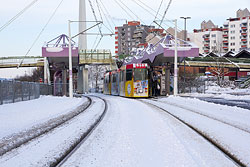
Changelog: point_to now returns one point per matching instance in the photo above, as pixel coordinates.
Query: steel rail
(9, 145)
(68, 153)
(213, 142)
(210, 117)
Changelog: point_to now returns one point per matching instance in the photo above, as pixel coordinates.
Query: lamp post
(175, 62)
(185, 39)
(70, 65)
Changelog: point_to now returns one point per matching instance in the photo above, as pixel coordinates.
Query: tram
(129, 81)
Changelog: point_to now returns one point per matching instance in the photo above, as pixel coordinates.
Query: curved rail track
(210, 117)
(15, 141)
(68, 153)
(205, 136)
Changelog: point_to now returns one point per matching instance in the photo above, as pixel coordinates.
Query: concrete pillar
(82, 41)
(64, 82)
(167, 81)
(85, 79)
(80, 80)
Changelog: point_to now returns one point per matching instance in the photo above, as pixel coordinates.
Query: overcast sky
(18, 37)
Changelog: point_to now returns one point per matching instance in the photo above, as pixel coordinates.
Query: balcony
(225, 35)
(225, 29)
(206, 51)
(225, 41)
(243, 33)
(206, 35)
(206, 39)
(225, 47)
(244, 27)
(243, 40)
(206, 45)
(243, 46)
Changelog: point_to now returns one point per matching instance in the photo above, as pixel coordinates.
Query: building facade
(236, 32)
(129, 36)
(234, 35)
(208, 38)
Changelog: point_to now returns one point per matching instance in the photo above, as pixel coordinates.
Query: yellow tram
(129, 81)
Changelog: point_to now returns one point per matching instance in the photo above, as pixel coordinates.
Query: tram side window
(122, 76)
(141, 74)
(113, 78)
(129, 75)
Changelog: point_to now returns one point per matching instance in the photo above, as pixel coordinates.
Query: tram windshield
(141, 74)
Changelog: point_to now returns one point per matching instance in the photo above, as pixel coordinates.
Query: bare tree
(96, 74)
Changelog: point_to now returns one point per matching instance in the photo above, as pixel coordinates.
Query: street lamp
(185, 39)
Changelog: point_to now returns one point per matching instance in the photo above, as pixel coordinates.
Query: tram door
(129, 83)
(140, 82)
(122, 83)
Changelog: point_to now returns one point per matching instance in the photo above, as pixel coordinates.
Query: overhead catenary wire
(93, 11)
(165, 12)
(17, 15)
(107, 13)
(102, 11)
(124, 9)
(38, 36)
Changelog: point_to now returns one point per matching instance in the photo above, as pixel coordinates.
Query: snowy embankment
(48, 148)
(18, 117)
(133, 134)
(228, 126)
(23, 121)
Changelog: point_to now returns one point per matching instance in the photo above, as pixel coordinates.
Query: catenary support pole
(70, 65)
(175, 62)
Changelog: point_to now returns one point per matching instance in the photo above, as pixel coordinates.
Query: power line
(132, 12)
(42, 30)
(157, 10)
(107, 13)
(101, 10)
(93, 11)
(165, 12)
(124, 9)
(16, 16)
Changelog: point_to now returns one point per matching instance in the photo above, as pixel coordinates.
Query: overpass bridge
(21, 61)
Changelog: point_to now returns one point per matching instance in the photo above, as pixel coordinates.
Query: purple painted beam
(58, 52)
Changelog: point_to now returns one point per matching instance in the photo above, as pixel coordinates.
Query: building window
(128, 28)
(233, 37)
(214, 41)
(232, 26)
(213, 35)
(232, 44)
(232, 49)
(232, 32)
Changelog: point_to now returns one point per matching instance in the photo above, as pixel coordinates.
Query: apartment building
(129, 36)
(236, 32)
(208, 38)
(234, 35)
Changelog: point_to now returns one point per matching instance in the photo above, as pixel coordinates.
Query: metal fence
(14, 91)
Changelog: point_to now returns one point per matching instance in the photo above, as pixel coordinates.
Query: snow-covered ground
(133, 133)
(46, 149)
(20, 116)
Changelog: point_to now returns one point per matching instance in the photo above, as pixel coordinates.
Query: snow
(134, 134)
(20, 116)
(45, 150)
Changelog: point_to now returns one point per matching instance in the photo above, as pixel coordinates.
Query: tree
(35, 76)
(96, 73)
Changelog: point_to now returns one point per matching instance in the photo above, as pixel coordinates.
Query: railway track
(17, 140)
(68, 153)
(213, 142)
(210, 117)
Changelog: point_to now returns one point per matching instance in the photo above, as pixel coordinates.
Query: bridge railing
(14, 91)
